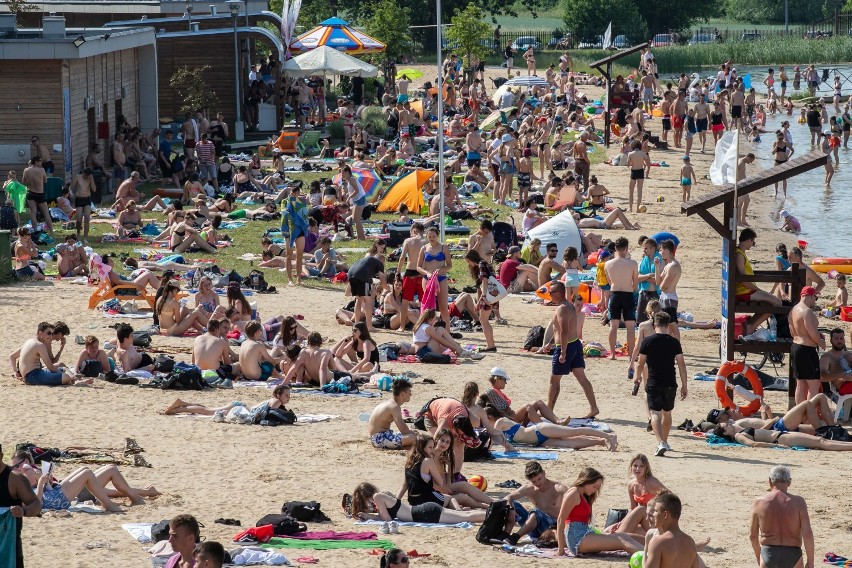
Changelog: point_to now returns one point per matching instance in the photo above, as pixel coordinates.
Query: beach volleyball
(479, 482)
(637, 559)
(384, 383)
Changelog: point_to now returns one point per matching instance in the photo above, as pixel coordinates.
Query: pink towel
(430, 294)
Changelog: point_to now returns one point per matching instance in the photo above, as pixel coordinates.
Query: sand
(223, 470)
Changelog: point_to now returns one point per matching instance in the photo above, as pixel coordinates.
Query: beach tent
(325, 60)
(561, 230)
(408, 190)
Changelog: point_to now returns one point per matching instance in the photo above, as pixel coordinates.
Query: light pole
(440, 137)
(189, 14)
(239, 128)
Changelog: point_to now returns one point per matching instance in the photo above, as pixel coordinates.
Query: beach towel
(334, 535)
(719, 442)
(18, 194)
(139, 531)
(276, 542)
(318, 392)
(249, 556)
(524, 455)
(589, 423)
(531, 550)
(8, 537)
(464, 525)
(430, 294)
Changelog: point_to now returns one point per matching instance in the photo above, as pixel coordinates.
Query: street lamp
(189, 13)
(239, 128)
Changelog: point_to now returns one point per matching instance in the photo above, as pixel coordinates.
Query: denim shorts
(360, 202)
(574, 535)
(544, 521)
(44, 378)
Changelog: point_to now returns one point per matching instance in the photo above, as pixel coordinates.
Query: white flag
(607, 39)
(723, 170)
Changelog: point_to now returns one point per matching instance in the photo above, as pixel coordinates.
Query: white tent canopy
(327, 60)
(561, 230)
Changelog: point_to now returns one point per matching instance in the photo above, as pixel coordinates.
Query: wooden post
(731, 244)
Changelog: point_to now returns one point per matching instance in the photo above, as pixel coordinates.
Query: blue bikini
(510, 434)
(429, 257)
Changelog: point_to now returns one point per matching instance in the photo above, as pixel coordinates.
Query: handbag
(494, 290)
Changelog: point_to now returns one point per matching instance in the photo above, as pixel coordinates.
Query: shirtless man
(304, 109)
(702, 117)
(737, 106)
(119, 158)
(545, 494)
(33, 364)
(780, 524)
(811, 277)
(475, 146)
(567, 351)
(582, 165)
(412, 280)
(189, 129)
(405, 118)
(667, 281)
(743, 200)
(210, 351)
(804, 358)
(72, 259)
(256, 364)
(482, 241)
(679, 108)
(835, 365)
(647, 83)
(127, 189)
(43, 153)
(670, 547)
(666, 109)
(312, 363)
(549, 265)
(640, 167)
(83, 187)
(34, 178)
(623, 276)
(390, 412)
(129, 358)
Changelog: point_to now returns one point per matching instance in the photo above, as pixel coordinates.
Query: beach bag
(184, 377)
(505, 234)
(430, 294)
(255, 281)
(494, 291)
(834, 432)
(160, 531)
(141, 338)
(304, 511)
(492, 528)
(436, 358)
(535, 338)
(614, 516)
(275, 417)
(483, 450)
(163, 364)
(282, 525)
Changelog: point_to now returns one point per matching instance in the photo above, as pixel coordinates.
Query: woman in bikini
(192, 188)
(357, 354)
(224, 205)
(297, 227)
(781, 152)
(435, 258)
(461, 492)
(206, 298)
(238, 301)
(26, 250)
(575, 515)
(571, 265)
(481, 271)
(184, 236)
(642, 489)
(760, 438)
(549, 435)
(82, 484)
(176, 320)
(144, 279)
(392, 304)
(367, 498)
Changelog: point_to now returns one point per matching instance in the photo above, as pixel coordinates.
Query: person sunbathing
(367, 498)
(210, 352)
(206, 297)
(424, 482)
(313, 363)
(71, 259)
(34, 364)
(82, 484)
(642, 489)
(142, 280)
(357, 354)
(126, 353)
(184, 236)
(256, 364)
(546, 434)
(92, 360)
(175, 319)
(429, 337)
(129, 222)
(806, 416)
(758, 438)
(616, 216)
(156, 201)
(460, 491)
(280, 398)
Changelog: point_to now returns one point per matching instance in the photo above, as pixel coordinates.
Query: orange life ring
(729, 368)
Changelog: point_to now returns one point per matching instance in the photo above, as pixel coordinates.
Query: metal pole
(786, 17)
(440, 137)
(238, 127)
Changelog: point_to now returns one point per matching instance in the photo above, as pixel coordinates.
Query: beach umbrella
(412, 74)
(369, 180)
(337, 34)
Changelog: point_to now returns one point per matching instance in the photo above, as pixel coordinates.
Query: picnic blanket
(464, 525)
(277, 542)
(139, 531)
(524, 455)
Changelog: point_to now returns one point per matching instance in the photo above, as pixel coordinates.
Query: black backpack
(305, 511)
(160, 531)
(184, 378)
(282, 525)
(275, 417)
(141, 338)
(834, 432)
(164, 363)
(505, 234)
(255, 281)
(493, 527)
(535, 338)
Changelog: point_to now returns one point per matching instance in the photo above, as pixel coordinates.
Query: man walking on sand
(779, 525)
(670, 547)
(567, 350)
(623, 275)
(640, 165)
(667, 281)
(660, 352)
(804, 357)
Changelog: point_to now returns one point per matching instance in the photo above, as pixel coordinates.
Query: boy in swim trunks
(34, 365)
(256, 363)
(390, 412)
(687, 176)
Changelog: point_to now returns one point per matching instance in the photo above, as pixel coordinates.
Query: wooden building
(68, 85)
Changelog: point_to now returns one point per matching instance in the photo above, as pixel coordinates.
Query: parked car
(594, 43)
(750, 36)
(566, 42)
(663, 40)
(620, 42)
(522, 43)
(698, 39)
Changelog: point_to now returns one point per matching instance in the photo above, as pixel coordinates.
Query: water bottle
(773, 329)
(630, 373)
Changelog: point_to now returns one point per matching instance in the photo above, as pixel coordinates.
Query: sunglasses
(51, 332)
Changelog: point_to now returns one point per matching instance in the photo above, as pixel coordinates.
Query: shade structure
(325, 60)
(408, 190)
(369, 180)
(337, 34)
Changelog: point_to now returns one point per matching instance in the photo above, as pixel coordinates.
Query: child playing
(841, 299)
(790, 223)
(687, 177)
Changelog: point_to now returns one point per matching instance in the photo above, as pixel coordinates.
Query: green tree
(588, 19)
(19, 6)
(678, 15)
(192, 89)
(391, 24)
(469, 32)
(772, 11)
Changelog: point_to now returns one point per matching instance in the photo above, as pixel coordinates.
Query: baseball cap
(507, 138)
(498, 371)
(809, 291)
(784, 213)
(514, 250)
(714, 415)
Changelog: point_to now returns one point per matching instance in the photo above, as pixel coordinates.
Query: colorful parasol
(369, 180)
(337, 34)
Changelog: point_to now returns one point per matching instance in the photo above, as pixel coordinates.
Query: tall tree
(588, 20)
(391, 24)
(469, 32)
(676, 15)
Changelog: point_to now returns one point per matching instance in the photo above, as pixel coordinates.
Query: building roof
(29, 43)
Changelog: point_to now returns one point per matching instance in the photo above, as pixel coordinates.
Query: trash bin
(5, 257)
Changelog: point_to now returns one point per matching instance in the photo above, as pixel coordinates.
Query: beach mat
(524, 455)
(715, 441)
(464, 525)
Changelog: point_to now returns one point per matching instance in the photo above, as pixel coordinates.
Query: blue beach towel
(8, 537)
(544, 456)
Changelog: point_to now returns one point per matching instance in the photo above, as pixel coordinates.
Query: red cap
(809, 291)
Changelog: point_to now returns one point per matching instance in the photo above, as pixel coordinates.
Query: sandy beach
(225, 470)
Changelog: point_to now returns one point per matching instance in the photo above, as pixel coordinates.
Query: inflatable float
(842, 265)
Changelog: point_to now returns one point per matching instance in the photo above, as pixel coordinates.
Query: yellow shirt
(749, 271)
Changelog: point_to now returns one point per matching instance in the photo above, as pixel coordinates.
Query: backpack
(255, 281)
(492, 528)
(282, 525)
(160, 531)
(505, 234)
(184, 377)
(275, 417)
(834, 432)
(141, 338)
(305, 511)
(482, 451)
(164, 363)
(535, 338)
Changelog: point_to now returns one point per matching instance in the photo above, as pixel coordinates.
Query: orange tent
(408, 190)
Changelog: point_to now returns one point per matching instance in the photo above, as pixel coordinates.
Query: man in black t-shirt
(361, 276)
(814, 120)
(660, 352)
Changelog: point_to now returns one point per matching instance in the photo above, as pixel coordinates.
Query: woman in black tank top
(6, 500)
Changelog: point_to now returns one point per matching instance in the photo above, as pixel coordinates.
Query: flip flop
(307, 560)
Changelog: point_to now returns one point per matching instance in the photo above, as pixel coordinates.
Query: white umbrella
(326, 60)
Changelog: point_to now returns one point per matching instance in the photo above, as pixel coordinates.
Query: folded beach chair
(309, 143)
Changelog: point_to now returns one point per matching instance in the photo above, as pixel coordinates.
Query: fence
(425, 41)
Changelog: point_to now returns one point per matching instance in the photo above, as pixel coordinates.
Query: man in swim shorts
(412, 280)
(256, 364)
(390, 412)
(35, 178)
(623, 275)
(545, 494)
(567, 350)
(780, 524)
(804, 358)
(34, 364)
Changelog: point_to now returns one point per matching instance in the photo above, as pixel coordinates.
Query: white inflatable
(723, 170)
(561, 230)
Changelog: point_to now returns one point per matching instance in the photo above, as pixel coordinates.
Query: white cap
(499, 372)
(784, 213)
(507, 138)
